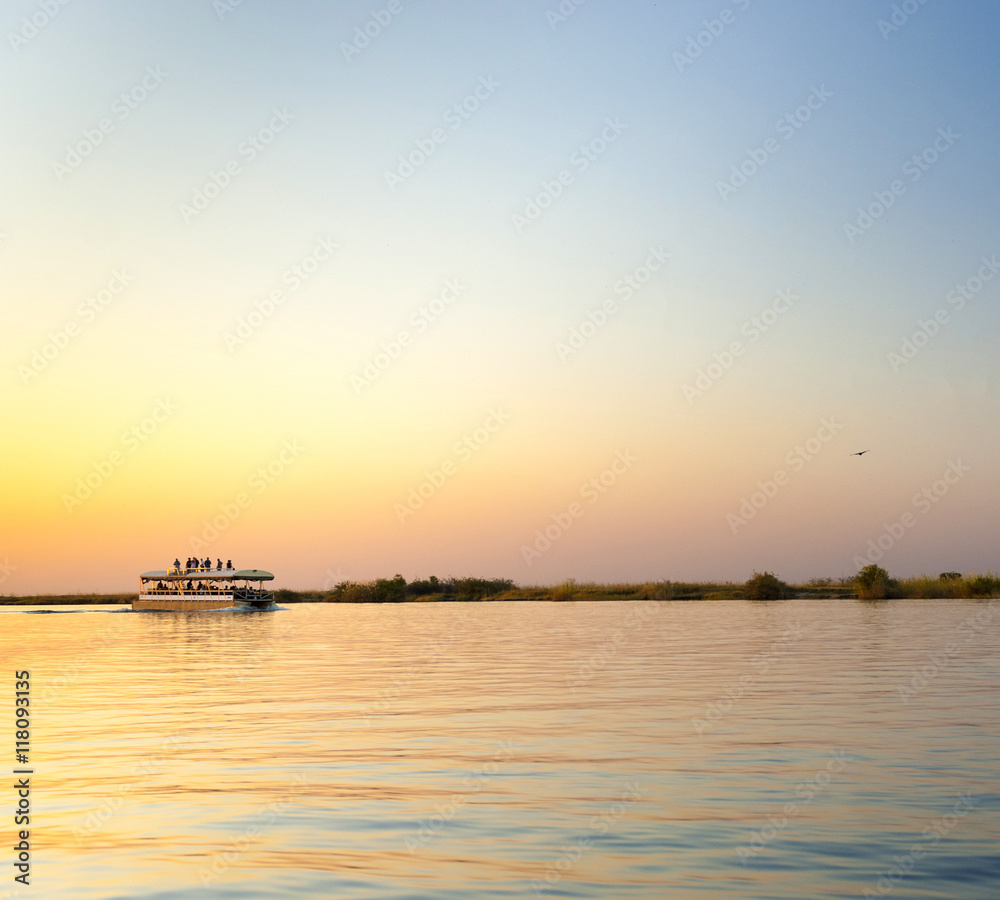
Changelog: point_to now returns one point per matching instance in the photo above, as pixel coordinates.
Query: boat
(182, 588)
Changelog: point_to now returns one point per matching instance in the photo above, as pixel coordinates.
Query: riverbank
(475, 590)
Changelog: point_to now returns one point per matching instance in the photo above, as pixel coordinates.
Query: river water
(724, 749)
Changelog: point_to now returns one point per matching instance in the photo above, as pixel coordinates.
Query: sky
(532, 290)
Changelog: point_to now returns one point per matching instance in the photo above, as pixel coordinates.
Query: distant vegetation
(67, 599)
(396, 590)
(948, 585)
(871, 583)
(874, 583)
(433, 589)
(765, 586)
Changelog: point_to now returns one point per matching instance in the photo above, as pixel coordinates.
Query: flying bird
(860, 453)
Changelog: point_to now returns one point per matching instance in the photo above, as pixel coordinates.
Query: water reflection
(515, 749)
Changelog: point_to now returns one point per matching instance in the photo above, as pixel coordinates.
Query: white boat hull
(183, 602)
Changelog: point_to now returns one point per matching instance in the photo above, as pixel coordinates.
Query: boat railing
(204, 589)
(178, 588)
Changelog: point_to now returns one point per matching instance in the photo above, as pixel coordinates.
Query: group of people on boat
(198, 582)
(194, 564)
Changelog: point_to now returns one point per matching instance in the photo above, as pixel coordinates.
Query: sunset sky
(643, 276)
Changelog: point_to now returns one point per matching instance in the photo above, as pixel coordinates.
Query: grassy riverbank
(67, 600)
(398, 590)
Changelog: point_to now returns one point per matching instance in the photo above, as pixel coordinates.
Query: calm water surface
(787, 750)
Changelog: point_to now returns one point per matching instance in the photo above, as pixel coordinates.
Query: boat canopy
(208, 574)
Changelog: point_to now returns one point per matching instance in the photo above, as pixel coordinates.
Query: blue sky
(216, 78)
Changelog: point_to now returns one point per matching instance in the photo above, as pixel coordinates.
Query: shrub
(873, 583)
(478, 588)
(390, 591)
(430, 586)
(984, 585)
(656, 590)
(382, 590)
(565, 591)
(950, 576)
(765, 586)
(396, 590)
(923, 587)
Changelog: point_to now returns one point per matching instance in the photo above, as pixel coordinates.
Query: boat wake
(65, 612)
